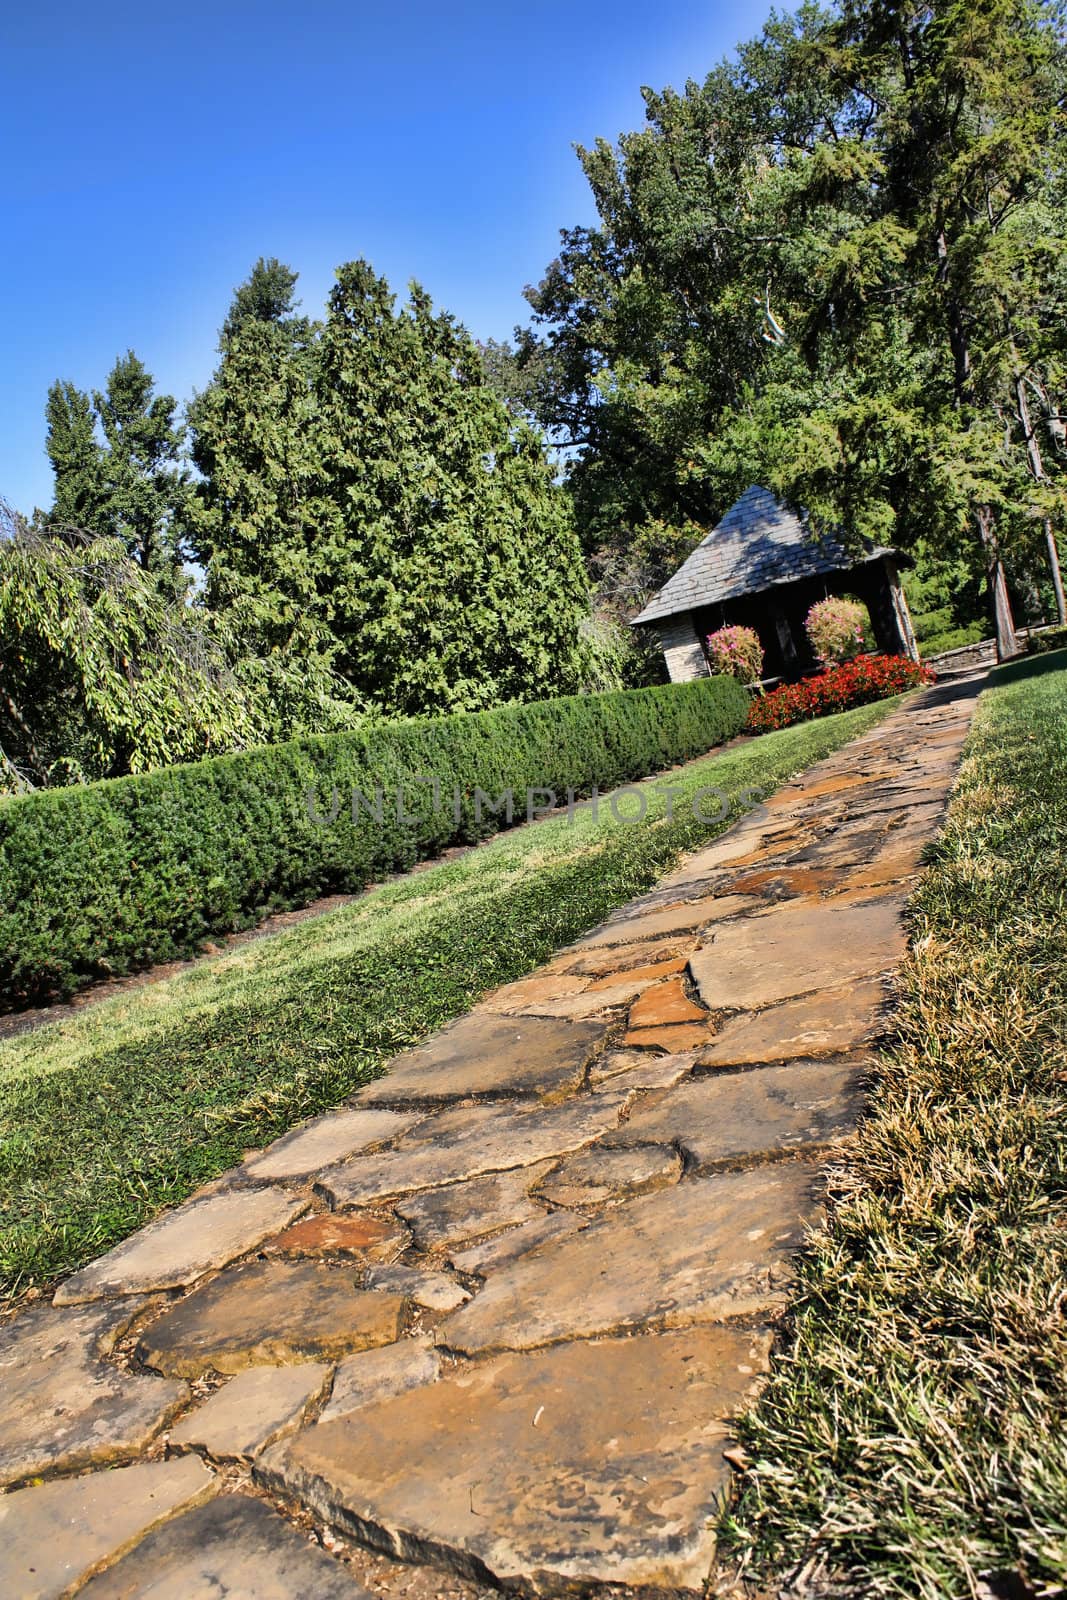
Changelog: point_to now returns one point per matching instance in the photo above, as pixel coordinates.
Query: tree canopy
(835, 267)
(368, 501)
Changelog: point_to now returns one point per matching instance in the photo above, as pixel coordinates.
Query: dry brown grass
(913, 1438)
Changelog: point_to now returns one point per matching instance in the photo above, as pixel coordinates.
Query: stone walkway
(493, 1316)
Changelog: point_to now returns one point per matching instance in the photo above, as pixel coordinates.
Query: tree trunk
(1057, 576)
(1037, 472)
(1007, 640)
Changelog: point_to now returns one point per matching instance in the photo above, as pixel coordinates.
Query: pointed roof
(758, 544)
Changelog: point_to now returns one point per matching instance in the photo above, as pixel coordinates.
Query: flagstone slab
(464, 1212)
(52, 1535)
(592, 1003)
(596, 1176)
(665, 1003)
(252, 1411)
(504, 1248)
(589, 1463)
(269, 1312)
(61, 1406)
(726, 1115)
(361, 1235)
(609, 961)
(486, 1055)
(825, 1023)
(798, 947)
(326, 1140)
(183, 1245)
(374, 1375)
(707, 1249)
(673, 1037)
(473, 1141)
(637, 1069)
(434, 1291)
(686, 916)
(233, 1546)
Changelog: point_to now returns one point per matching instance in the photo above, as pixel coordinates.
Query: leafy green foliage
(115, 460)
(371, 506)
(98, 879)
(835, 267)
(100, 673)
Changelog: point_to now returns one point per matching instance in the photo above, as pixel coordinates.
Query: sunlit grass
(134, 1102)
(913, 1440)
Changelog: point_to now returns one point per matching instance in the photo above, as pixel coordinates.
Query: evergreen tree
(76, 457)
(369, 503)
(116, 464)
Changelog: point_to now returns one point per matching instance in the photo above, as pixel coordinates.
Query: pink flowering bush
(836, 629)
(737, 653)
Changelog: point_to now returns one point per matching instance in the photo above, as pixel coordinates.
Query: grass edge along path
(107, 1118)
(913, 1437)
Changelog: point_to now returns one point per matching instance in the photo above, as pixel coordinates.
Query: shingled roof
(758, 544)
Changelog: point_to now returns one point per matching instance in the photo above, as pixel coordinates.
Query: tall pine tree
(368, 498)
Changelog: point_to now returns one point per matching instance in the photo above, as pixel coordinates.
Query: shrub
(836, 629)
(737, 653)
(110, 876)
(952, 639)
(853, 684)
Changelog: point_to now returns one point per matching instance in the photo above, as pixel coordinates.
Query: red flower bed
(854, 683)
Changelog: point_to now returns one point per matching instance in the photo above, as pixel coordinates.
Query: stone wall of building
(682, 649)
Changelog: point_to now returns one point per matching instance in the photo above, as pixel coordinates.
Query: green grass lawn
(140, 1099)
(914, 1436)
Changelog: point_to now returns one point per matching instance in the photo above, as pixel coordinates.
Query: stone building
(762, 567)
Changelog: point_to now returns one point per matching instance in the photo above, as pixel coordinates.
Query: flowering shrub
(836, 629)
(853, 684)
(737, 653)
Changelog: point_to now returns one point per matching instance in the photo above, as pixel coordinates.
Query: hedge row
(105, 878)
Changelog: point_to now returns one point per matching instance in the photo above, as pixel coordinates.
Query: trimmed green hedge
(105, 878)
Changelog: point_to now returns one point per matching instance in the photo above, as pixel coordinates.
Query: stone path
(494, 1315)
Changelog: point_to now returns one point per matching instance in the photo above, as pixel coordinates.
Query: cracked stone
(327, 1140)
(798, 947)
(463, 1212)
(55, 1533)
(183, 1245)
(674, 919)
(376, 1374)
(721, 1248)
(728, 1115)
(782, 883)
(253, 1410)
(592, 1003)
(636, 1069)
(826, 1023)
(362, 1236)
(610, 962)
(603, 1174)
(672, 1037)
(232, 1546)
(504, 1248)
(61, 1406)
(434, 1291)
(482, 1054)
(665, 1003)
(471, 1141)
(589, 1463)
(653, 973)
(266, 1313)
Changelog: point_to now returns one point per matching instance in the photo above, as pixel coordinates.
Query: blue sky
(151, 153)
